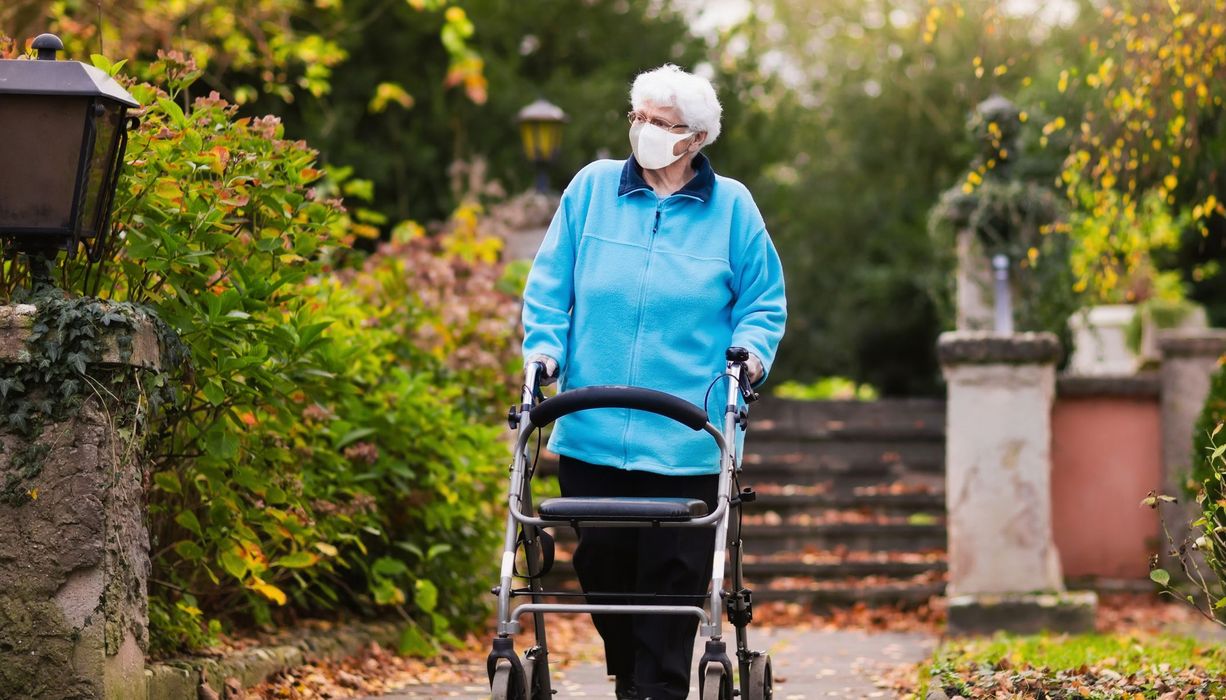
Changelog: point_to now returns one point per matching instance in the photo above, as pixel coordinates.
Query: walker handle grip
(633, 397)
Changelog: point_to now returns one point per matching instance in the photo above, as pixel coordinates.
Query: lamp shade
(540, 129)
(63, 131)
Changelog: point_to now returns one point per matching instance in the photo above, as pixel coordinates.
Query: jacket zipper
(638, 328)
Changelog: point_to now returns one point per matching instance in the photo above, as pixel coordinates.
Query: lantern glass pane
(40, 150)
(528, 132)
(98, 170)
(550, 139)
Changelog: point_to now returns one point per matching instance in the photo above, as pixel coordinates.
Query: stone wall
(74, 549)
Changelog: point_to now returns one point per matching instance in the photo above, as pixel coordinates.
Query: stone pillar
(74, 549)
(1189, 359)
(1004, 570)
(522, 222)
(974, 302)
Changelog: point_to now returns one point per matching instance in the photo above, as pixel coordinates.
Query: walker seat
(621, 508)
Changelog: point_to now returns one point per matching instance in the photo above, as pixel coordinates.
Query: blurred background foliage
(847, 119)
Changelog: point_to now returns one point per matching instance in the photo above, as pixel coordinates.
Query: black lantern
(63, 131)
(540, 129)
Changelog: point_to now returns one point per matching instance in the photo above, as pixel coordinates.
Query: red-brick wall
(1106, 455)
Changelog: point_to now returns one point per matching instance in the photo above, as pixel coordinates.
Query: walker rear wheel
(533, 672)
(715, 684)
(507, 684)
(760, 679)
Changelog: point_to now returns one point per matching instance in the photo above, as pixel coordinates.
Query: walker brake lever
(747, 390)
(740, 356)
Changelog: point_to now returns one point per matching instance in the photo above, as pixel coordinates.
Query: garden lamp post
(63, 132)
(540, 129)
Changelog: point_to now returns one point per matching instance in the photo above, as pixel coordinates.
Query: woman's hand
(550, 375)
(754, 365)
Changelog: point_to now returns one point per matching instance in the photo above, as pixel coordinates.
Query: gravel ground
(807, 663)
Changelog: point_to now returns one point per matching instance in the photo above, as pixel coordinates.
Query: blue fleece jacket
(631, 288)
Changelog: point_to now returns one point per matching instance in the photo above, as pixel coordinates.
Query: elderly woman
(652, 267)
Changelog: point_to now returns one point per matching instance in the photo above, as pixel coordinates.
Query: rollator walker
(513, 677)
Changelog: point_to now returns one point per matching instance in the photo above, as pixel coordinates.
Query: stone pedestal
(1189, 359)
(522, 222)
(973, 295)
(1100, 343)
(1004, 570)
(74, 550)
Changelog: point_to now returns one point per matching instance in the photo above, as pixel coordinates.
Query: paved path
(808, 665)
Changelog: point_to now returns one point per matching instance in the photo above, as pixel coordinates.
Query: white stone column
(1004, 570)
(1189, 359)
(973, 293)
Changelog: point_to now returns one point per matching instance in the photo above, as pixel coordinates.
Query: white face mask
(653, 146)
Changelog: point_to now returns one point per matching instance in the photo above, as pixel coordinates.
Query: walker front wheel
(760, 680)
(715, 684)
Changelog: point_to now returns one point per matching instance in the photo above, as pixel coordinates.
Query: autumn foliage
(330, 446)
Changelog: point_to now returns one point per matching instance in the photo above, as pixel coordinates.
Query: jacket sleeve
(550, 292)
(760, 309)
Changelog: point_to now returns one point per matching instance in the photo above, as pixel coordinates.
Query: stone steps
(816, 571)
(779, 419)
(850, 500)
(867, 492)
(849, 593)
(850, 507)
(853, 537)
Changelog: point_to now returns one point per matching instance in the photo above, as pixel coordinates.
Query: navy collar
(699, 187)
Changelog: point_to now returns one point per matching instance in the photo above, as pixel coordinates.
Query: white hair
(692, 95)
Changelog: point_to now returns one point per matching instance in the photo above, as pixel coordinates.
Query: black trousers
(656, 650)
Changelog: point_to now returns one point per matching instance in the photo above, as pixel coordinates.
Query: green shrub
(825, 389)
(326, 449)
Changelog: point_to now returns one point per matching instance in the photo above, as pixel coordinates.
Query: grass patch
(1123, 653)
(1078, 666)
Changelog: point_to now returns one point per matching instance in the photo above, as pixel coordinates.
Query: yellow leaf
(388, 93)
(365, 230)
(268, 590)
(167, 188)
(1170, 181)
(326, 549)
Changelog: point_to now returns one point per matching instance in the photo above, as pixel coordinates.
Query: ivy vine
(62, 366)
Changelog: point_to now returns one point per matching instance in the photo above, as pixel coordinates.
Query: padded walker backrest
(638, 398)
